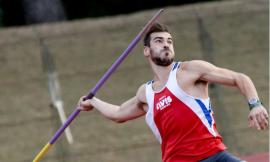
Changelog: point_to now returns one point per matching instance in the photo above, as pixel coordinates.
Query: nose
(166, 46)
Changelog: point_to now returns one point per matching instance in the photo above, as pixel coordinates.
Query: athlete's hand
(258, 118)
(85, 105)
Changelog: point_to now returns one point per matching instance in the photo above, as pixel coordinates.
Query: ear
(146, 51)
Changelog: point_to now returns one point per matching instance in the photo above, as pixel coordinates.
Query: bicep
(131, 109)
(220, 76)
(210, 73)
(134, 107)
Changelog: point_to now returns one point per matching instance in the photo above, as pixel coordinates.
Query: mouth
(167, 52)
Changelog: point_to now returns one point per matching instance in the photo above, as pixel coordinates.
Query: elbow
(242, 80)
(117, 120)
(120, 121)
(243, 77)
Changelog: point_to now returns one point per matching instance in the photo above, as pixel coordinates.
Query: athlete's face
(161, 48)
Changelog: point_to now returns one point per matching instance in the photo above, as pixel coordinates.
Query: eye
(158, 41)
(170, 42)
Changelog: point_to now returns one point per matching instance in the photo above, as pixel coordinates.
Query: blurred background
(54, 51)
(22, 12)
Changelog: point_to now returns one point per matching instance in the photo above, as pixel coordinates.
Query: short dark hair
(157, 27)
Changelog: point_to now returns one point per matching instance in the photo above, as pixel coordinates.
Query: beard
(162, 61)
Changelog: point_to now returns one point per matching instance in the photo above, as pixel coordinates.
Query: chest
(171, 114)
(191, 84)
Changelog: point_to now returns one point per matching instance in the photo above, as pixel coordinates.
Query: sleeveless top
(184, 125)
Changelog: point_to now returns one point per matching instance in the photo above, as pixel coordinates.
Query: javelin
(93, 91)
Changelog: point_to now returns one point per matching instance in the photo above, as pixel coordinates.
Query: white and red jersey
(184, 125)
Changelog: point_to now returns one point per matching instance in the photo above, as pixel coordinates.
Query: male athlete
(177, 105)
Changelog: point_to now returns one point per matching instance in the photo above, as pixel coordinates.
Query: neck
(161, 73)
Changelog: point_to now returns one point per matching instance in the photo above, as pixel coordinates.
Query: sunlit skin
(161, 49)
(192, 76)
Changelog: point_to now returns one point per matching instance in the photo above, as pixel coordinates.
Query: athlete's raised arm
(130, 109)
(258, 116)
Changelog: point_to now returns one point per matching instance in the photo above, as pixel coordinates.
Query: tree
(41, 11)
(1, 17)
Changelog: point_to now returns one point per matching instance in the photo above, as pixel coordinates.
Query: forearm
(106, 109)
(246, 86)
(257, 117)
(128, 110)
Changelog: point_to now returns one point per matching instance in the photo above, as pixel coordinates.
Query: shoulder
(141, 96)
(192, 63)
(196, 65)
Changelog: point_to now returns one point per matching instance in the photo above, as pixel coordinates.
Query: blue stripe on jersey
(149, 82)
(175, 65)
(205, 111)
